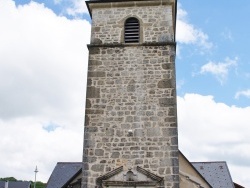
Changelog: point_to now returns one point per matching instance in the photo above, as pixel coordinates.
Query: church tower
(130, 133)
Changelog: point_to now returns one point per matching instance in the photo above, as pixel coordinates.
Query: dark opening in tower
(132, 31)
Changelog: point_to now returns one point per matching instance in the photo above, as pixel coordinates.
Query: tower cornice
(131, 45)
(126, 3)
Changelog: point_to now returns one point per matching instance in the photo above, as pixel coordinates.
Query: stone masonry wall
(131, 87)
(156, 23)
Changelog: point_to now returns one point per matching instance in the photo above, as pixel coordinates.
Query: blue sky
(42, 86)
(225, 24)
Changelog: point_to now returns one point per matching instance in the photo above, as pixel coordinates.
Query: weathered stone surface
(91, 129)
(165, 83)
(155, 29)
(172, 111)
(98, 168)
(89, 82)
(96, 41)
(165, 162)
(131, 88)
(167, 66)
(174, 141)
(89, 159)
(96, 74)
(99, 152)
(86, 120)
(170, 119)
(169, 131)
(89, 111)
(115, 155)
(129, 119)
(93, 92)
(88, 103)
(94, 63)
(152, 132)
(89, 143)
(110, 132)
(119, 133)
(96, 29)
(94, 51)
(138, 133)
(165, 102)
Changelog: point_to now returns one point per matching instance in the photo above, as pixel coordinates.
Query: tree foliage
(38, 184)
(8, 179)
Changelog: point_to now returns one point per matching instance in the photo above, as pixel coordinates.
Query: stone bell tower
(130, 134)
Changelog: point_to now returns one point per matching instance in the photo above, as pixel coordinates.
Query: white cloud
(78, 7)
(43, 60)
(245, 93)
(73, 8)
(219, 69)
(187, 33)
(212, 131)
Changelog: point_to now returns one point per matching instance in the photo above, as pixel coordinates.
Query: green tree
(38, 184)
(8, 179)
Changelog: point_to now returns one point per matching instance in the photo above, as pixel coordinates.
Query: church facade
(130, 134)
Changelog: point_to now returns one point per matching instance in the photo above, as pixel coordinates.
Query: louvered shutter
(132, 31)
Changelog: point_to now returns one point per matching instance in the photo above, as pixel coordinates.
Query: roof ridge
(67, 162)
(211, 162)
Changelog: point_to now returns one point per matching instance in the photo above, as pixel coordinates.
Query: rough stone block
(99, 152)
(98, 168)
(129, 119)
(167, 66)
(138, 133)
(115, 155)
(165, 162)
(86, 120)
(96, 74)
(165, 83)
(91, 129)
(88, 103)
(89, 143)
(96, 41)
(169, 132)
(152, 132)
(93, 92)
(171, 111)
(94, 50)
(110, 132)
(165, 102)
(94, 63)
(89, 111)
(174, 141)
(89, 82)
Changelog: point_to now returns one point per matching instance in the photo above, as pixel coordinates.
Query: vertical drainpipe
(6, 185)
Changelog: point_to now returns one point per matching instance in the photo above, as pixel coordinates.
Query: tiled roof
(16, 184)
(216, 173)
(62, 173)
(236, 185)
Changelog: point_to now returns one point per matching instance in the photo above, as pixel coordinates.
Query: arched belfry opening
(132, 30)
